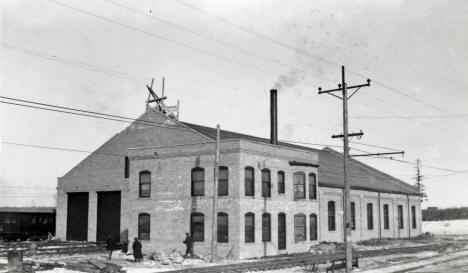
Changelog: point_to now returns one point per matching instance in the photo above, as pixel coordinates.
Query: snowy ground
(449, 227)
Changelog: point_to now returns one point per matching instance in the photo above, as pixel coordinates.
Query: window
(223, 181)
(249, 227)
(145, 184)
(281, 186)
(386, 222)
(266, 227)
(400, 217)
(127, 168)
(370, 217)
(312, 186)
(299, 227)
(353, 216)
(223, 227)
(299, 185)
(266, 183)
(197, 226)
(331, 216)
(313, 226)
(143, 226)
(198, 182)
(249, 184)
(413, 216)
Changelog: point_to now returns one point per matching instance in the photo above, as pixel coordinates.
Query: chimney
(273, 117)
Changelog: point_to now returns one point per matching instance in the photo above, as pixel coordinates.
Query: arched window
(249, 227)
(413, 216)
(299, 227)
(299, 185)
(127, 168)
(312, 186)
(331, 216)
(266, 227)
(266, 183)
(197, 226)
(223, 227)
(313, 226)
(353, 216)
(144, 226)
(281, 183)
(370, 217)
(386, 222)
(145, 184)
(400, 217)
(223, 181)
(249, 182)
(198, 181)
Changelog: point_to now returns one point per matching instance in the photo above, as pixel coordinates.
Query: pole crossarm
(340, 88)
(378, 154)
(349, 135)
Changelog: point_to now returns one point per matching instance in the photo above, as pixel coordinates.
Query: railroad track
(304, 259)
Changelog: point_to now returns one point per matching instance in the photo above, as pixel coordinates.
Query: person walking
(110, 245)
(189, 244)
(137, 254)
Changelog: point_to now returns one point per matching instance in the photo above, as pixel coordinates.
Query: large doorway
(77, 216)
(108, 216)
(281, 231)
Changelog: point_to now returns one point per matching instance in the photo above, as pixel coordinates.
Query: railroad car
(26, 223)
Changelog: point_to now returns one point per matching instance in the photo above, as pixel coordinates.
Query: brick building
(155, 181)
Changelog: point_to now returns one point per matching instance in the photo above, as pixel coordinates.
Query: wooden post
(214, 226)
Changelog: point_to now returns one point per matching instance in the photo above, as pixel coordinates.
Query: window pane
(249, 228)
(331, 216)
(312, 186)
(266, 183)
(299, 228)
(145, 178)
(413, 216)
(313, 227)
(198, 182)
(144, 227)
(223, 182)
(299, 185)
(197, 227)
(249, 182)
(370, 217)
(353, 216)
(223, 228)
(386, 217)
(266, 228)
(281, 187)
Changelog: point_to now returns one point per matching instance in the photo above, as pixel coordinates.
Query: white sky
(417, 48)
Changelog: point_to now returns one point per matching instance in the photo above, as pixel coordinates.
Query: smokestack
(273, 117)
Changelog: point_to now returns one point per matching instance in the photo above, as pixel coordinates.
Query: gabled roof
(28, 209)
(225, 135)
(330, 168)
(361, 175)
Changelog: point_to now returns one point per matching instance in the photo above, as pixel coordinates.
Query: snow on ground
(449, 227)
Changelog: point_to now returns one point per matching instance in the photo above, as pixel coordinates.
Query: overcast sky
(220, 58)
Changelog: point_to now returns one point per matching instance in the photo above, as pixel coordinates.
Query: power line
(181, 44)
(153, 17)
(75, 63)
(58, 148)
(171, 127)
(374, 146)
(28, 187)
(303, 52)
(412, 117)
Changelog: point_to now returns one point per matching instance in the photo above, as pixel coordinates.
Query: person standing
(189, 244)
(137, 254)
(110, 245)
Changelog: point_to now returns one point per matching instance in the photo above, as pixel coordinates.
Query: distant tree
(419, 178)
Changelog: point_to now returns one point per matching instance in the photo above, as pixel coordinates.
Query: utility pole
(214, 226)
(347, 210)
(343, 88)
